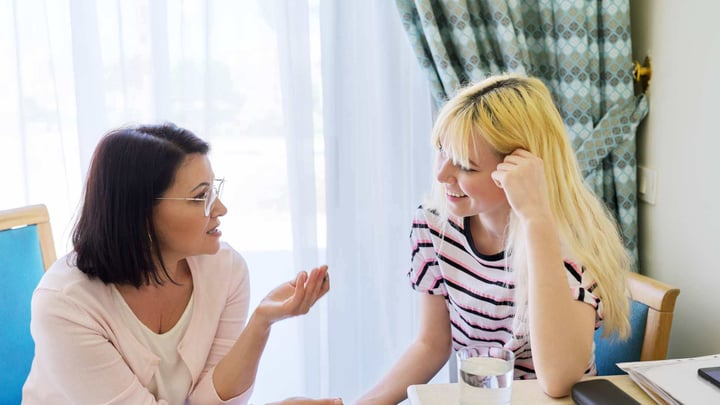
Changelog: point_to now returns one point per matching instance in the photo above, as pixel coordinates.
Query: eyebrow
(203, 184)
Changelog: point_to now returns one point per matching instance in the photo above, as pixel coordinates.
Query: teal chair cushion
(21, 268)
(611, 350)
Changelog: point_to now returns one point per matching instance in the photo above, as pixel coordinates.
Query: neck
(494, 224)
(177, 270)
(488, 232)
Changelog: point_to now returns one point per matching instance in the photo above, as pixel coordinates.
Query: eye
(203, 195)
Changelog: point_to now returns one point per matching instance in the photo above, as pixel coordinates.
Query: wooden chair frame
(660, 299)
(32, 215)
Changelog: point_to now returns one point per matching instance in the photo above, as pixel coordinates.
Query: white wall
(680, 234)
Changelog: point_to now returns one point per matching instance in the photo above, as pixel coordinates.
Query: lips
(214, 231)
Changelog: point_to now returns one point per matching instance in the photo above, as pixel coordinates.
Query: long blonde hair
(511, 112)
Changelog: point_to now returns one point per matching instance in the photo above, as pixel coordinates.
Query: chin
(216, 245)
(211, 250)
(207, 249)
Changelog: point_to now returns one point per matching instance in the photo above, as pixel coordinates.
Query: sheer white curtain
(38, 142)
(247, 77)
(376, 124)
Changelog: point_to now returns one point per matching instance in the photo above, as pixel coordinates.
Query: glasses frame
(210, 196)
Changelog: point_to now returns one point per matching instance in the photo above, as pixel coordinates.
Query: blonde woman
(513, 249)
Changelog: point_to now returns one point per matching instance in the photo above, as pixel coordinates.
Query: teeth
(454, 195)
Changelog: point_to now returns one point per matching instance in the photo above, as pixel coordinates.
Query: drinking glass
(485, 374)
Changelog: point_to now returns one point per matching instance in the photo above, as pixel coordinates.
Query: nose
(444, 170)
(218, 209)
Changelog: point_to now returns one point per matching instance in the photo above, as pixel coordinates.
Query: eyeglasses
(210, 196)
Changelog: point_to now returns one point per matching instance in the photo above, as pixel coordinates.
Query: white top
(172, 380)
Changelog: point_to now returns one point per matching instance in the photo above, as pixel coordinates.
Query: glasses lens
(213, 195)
(220, 185)
(210, 200)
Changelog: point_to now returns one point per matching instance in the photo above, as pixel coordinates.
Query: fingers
(301, 278)
(518, 163)
(318, 277)
(325, 287)
(519, 152)
(308, 288)
(300, 292)
(324, 284)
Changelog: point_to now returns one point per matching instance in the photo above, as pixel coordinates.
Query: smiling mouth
(214, 230)
(455, 195)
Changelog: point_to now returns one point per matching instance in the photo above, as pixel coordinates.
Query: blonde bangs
(454, 132)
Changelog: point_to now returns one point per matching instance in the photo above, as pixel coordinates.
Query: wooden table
(523, 392)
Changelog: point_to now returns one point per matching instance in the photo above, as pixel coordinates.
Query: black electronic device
(711, 374)
(600, 392)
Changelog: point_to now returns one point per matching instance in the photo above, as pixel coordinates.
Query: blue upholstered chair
(26, 251)
(651, 315)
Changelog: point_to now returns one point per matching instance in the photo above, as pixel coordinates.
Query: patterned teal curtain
(582, 51)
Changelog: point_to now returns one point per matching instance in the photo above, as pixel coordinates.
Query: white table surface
(523, 392)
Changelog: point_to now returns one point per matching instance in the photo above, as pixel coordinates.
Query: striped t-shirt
(478, 289)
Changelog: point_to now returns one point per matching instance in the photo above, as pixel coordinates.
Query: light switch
(647, 184)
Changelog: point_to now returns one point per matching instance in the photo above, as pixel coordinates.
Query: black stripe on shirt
(574, 272)
(478, 313)
(477, 296)
(423, 271)
(476, 276)
(481, 328)
(498, 341)
(417, 249)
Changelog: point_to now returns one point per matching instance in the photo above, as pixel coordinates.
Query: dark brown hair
(131, 166)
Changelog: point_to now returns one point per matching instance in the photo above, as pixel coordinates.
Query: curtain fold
(292, 23)
(580, 49)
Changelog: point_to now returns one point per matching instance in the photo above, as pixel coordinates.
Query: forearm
(560, 326)
(420, 362)
(236, 372)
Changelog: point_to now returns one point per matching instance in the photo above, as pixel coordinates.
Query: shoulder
(65, 278)
(64, 289)
(435, 222)
(425, 215)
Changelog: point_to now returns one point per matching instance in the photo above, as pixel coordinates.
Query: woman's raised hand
(295, 297)
(522, 175)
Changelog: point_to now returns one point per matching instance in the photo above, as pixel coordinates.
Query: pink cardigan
(85, 354)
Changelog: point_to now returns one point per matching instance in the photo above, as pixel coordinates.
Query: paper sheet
(675, 381)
